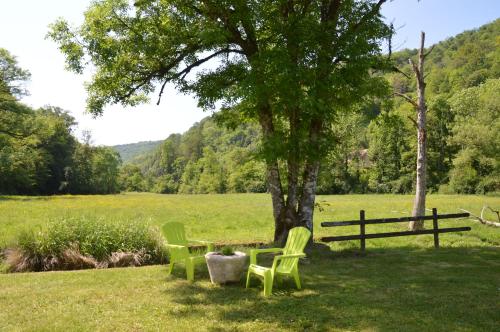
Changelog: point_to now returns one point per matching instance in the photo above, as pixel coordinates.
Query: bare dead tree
(421, 109)
(483, 220)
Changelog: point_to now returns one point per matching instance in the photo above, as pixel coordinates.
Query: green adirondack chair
(178, 247)
(285, 264)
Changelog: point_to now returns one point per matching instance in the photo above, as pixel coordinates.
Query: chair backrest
(295, 244)
(174, 232)
(297, 241)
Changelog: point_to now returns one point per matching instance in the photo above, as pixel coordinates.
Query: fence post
(362, 229)
(435, 226)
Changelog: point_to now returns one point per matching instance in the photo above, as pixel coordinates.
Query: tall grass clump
(79, 243)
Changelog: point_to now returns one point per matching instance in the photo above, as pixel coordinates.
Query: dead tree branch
(483, 220)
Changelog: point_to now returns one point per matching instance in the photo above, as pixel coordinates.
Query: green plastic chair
(178, 247)
(285, 264)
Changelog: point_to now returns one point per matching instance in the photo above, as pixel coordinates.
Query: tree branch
(396, 69)
(161, 92)
(183, 73)
(199, 62)
(374, 10)
(413, 120)
(407, 98)
(429, 51)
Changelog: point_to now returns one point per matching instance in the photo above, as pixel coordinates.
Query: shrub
(227, 251)
(83, 243)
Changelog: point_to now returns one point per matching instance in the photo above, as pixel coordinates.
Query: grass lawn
(402, 284)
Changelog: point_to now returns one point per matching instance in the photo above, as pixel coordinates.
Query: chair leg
(189, 270)
(296, 278)
(248, 279)
(268, 283)
(170, 268)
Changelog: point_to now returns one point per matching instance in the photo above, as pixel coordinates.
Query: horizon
(178, 112)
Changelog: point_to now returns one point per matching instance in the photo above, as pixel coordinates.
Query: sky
(24, 24)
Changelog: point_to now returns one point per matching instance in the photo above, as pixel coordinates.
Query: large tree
(292, 66)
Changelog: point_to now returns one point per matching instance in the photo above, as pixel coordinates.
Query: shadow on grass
(410, 289)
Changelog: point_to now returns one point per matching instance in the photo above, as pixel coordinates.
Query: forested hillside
(130, 151)
(375, 146)
(206, 159)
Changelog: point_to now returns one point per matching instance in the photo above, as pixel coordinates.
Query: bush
(227, 251)
(82, 243)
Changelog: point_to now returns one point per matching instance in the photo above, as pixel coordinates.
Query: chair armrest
(208, 244)
(290, 256)
(280, 257)
(255, 252)
(177, 251)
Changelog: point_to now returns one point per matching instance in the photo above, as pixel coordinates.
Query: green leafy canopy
(303, 59)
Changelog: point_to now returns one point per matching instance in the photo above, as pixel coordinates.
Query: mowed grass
(401, 284)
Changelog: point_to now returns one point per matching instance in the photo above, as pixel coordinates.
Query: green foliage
(389, 144)
(131, 178)
(248, 177)
(227, 251)
(94, 238)
(93, 170)
(205, 159)
(105, 163)
(212, 180)
(460, 62)
(12, 77)
(462, 115)
(476, 133)
(38, 152)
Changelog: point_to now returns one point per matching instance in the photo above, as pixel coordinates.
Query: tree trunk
(420, 184)
(306, 206)
(419, 203)
(273, 175)
(274, 187)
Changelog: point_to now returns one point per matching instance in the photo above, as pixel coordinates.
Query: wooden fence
(363, 236)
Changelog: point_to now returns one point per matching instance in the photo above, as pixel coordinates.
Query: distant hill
(133, 150)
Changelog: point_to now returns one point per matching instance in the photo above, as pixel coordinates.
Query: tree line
(39, 153)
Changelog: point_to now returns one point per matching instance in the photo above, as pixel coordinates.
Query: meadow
(400, 284)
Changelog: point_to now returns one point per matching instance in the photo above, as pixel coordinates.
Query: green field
(402, 284)
(236, 218)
